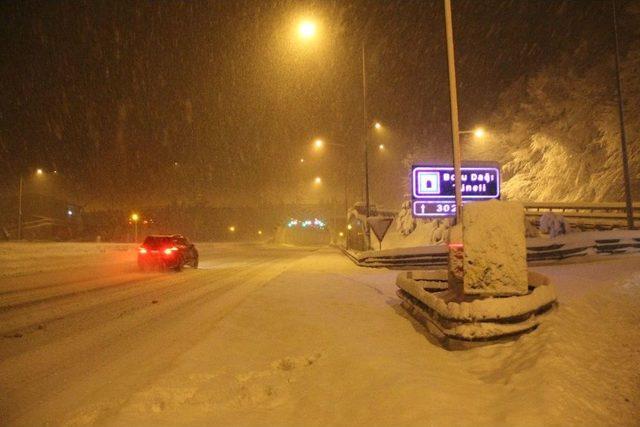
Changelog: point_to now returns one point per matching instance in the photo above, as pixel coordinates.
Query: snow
(425, 232)
(495, 253)
(446, 303)
(405, 222)
(23, 257)
(554, 224)
(266, 336)
(586, 242)
(407, 234)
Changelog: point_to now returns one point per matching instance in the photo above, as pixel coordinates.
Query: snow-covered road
(280, 336)
(99, 329)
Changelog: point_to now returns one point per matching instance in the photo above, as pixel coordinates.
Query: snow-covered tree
(557, 132)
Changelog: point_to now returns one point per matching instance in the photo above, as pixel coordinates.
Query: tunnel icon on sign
(429, 182)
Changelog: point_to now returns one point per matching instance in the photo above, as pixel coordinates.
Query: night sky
(113, 94)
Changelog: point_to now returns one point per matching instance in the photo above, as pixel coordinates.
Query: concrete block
(495, 253)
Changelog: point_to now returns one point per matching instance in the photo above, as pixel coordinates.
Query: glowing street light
(318, 144)
(135, 217)
(381, 147)
(39, 172)
(260, 232)
(232, 228)
(377, 125)
(478, 133)
(317, 180)
(307, 29)
(301, 160)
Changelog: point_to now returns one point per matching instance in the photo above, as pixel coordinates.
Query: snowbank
(18, 258)
(326, 343)
(574, 246)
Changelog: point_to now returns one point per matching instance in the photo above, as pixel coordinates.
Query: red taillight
(142, 250)
(169, 251)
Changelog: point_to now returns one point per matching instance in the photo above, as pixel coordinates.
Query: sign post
(380, 225)
(453, 98)
(434, 187)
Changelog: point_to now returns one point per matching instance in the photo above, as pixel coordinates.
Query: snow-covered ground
(280, 336)
(18, 258)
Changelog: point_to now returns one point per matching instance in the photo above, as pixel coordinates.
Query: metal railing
(586, 215)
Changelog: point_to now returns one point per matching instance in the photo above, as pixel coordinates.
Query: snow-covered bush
(440, 232)
(530, 230)
(554, 224)
(405, 223)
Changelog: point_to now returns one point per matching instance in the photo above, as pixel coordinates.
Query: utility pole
(623, 136)
(346, 182)
(365, 129)
(453, 96)
(20, 208)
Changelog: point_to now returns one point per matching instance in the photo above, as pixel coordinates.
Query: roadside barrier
(574, 245)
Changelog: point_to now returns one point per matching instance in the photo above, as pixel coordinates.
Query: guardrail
(539, 250)
(586, 215)
(604, 215)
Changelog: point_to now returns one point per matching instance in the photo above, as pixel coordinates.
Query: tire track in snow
(105, 337)
(166, 285)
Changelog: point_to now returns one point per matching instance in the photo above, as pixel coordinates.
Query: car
(167, 252)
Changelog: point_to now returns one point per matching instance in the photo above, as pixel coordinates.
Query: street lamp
(39, 172)
(307, 29)
(478, 133)
(317, 180)
(623, 138)
(453, 98)
(377, 125)
(135, 217)
(320, 143)
(232, 228)
(381, 147)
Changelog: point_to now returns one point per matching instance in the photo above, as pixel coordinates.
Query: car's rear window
(156, 241)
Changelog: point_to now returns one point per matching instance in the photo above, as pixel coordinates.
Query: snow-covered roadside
(574, 247)
(17, 258)
(326, 343)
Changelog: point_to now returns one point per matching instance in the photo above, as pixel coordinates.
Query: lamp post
(623, 136)
(365, 133)
(453, 97)
(135, 217)
(319, 144)
(20, 208)
(39, 172)
(307, 30)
